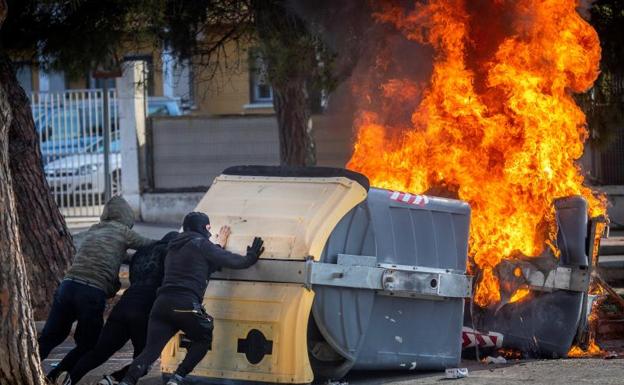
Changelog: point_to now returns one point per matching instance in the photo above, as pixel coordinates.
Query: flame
(510, 354)
(496, 124)
(520, 295)
(593, 350)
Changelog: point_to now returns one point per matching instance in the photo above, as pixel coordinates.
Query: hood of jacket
(182, 239)
(118, 210)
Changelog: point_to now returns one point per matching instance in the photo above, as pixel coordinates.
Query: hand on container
(256, 249)
(224, 234)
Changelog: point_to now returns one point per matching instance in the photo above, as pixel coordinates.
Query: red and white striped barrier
(472, 338)
(418, 200)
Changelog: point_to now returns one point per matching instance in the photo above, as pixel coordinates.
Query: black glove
(256, 249)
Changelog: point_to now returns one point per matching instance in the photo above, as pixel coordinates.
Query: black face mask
(196, 222)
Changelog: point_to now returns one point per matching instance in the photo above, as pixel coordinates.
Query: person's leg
(120, 374)
(89, 303)
(59, 322)
(113, 337)
(198, 328)
(159, 332)
(137, 328)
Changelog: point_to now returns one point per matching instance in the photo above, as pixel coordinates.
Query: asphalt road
(546, 372)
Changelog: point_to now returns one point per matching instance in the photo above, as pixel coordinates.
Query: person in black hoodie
(128, 319)
(191, 259)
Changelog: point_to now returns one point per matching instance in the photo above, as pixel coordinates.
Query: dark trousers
(72, 302)
(170, 314)
(127, 322)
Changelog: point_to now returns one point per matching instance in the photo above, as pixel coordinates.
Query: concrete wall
(168, 208)
(615, 210)
(189, 152)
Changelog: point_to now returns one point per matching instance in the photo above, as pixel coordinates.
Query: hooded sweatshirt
(190, 261)
(147, 267)
(99, 257)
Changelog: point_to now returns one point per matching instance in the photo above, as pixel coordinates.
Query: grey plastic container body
(369, 330)
(546, 325)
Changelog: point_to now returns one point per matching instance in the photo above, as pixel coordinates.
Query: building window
(261, 91)
(98, 83)
(52, 81)
(23, 71)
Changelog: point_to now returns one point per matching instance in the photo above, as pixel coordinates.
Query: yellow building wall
(226, 91)
(73, 84)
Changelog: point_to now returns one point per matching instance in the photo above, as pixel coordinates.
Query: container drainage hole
(255, 346)
(434, 283)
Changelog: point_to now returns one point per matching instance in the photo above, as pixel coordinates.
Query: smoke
(583, 7)
(349, 28)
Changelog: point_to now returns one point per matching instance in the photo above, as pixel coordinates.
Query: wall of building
(188, 152)
(221, 88)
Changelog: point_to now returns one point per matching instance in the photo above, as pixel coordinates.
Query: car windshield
(71, 121)
(115, 146)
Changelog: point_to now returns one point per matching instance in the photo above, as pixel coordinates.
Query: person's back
(186, 270)
(99, 257)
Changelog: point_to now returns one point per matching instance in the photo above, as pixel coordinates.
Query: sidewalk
(150, 230)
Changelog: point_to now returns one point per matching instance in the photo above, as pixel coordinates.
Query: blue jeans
(73, 301)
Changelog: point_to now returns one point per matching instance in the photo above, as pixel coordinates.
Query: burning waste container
(554, 315)
(352, 278)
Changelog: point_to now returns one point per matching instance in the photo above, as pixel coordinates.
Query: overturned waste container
(352, 278)
(554, 316)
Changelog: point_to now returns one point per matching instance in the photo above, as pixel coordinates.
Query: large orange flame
(496, 124)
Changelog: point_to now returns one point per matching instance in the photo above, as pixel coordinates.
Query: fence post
(107, 132)
(131, 104)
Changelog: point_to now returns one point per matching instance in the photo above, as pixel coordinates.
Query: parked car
(163, 106)
(83, 174)
(73, 127)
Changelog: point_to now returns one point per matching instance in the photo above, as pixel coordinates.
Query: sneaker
(107, 380)
(176, 379)
(63, 379)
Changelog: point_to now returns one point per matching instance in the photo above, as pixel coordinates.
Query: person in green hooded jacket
(92, 278)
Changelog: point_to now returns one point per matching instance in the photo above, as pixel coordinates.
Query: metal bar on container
(412, 283)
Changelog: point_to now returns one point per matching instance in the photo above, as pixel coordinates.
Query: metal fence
(71, 129)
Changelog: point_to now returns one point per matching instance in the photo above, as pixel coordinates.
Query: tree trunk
(297, 147)
(289, 53)
(46, 243)
(19, 361)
